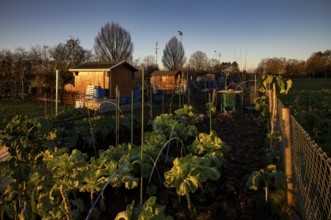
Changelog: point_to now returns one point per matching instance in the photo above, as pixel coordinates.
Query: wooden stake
(56, 91)
(117, 113)
(142, 132)
(287, 156)
(132, 118)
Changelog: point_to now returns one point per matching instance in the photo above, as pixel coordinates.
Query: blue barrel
(136, 95)
(136, 91)
(99, 93)
(158, 96)
(123, 100)
(137, 99)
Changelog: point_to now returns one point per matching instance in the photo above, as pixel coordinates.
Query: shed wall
(164, 82)
(124, 79)
(84, 79)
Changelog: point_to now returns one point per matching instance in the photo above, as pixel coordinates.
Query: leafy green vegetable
(207, 143)
(266, 177)
(149, 210)
(188, 173)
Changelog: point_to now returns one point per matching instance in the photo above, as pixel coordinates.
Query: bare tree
(319, 64)
(113, 43)
(149, 65)
(43, 67)
(198, 60)
(173, 54)
(15, 70)
(7, 81)
(68, 55)
(22, 66)
(149, 60)
(295, 67)
(272, 65)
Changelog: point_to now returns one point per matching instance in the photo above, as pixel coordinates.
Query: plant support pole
(132, 118)
(288, 157)
(56, 91)
(142, 132)
(117, 94)
(210, 116)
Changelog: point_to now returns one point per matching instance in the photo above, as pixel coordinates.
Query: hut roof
(101, 66)
(164, 73)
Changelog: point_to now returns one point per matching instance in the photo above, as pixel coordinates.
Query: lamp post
(181, 43)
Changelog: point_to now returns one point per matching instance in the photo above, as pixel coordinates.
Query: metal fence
(311, 171)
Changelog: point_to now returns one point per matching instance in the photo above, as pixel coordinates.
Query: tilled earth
(246, 138)
(229, 198)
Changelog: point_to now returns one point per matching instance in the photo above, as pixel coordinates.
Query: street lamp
(181, 43)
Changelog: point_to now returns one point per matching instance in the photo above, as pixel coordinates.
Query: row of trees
(317, 65)
(37, 66)
(113, 43)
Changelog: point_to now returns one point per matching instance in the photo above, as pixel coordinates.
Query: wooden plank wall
(84, 79)
(122, 77)
(169, 84)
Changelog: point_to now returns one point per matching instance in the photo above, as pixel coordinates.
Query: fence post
(287, 156)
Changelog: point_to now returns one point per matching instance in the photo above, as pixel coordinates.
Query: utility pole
(156, 48)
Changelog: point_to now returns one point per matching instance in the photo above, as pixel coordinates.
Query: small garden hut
(105, 75)
(206, 81)
(165, 80)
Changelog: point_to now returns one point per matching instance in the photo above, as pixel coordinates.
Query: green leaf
(189, 184)
(281, 84)
(253, 181)
(289, 85)
(205, 143)
(78, 203)
(216, 158)
(268, 80)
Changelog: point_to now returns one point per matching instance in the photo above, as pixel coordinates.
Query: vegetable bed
(59, 167)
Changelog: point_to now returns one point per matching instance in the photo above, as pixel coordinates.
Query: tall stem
(266, 193)
(188, 201)
(270, 93)
(66, 203)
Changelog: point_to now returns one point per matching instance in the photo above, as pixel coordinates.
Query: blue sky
(245, 31)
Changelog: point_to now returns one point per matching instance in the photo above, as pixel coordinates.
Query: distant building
(165, 80)
(206, 81)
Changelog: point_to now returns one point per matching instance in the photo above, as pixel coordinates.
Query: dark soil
(233, 200)
(227, 198)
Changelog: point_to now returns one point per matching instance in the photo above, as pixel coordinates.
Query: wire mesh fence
(312, 172)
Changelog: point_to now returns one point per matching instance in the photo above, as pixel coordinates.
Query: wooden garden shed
(165, 80)
(105, 75)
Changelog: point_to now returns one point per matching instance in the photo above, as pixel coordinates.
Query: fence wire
(312, 173)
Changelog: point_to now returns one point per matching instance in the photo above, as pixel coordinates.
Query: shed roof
(164, 73)
(101, 66)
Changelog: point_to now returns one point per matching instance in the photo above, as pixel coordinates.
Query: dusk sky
(240, 30)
